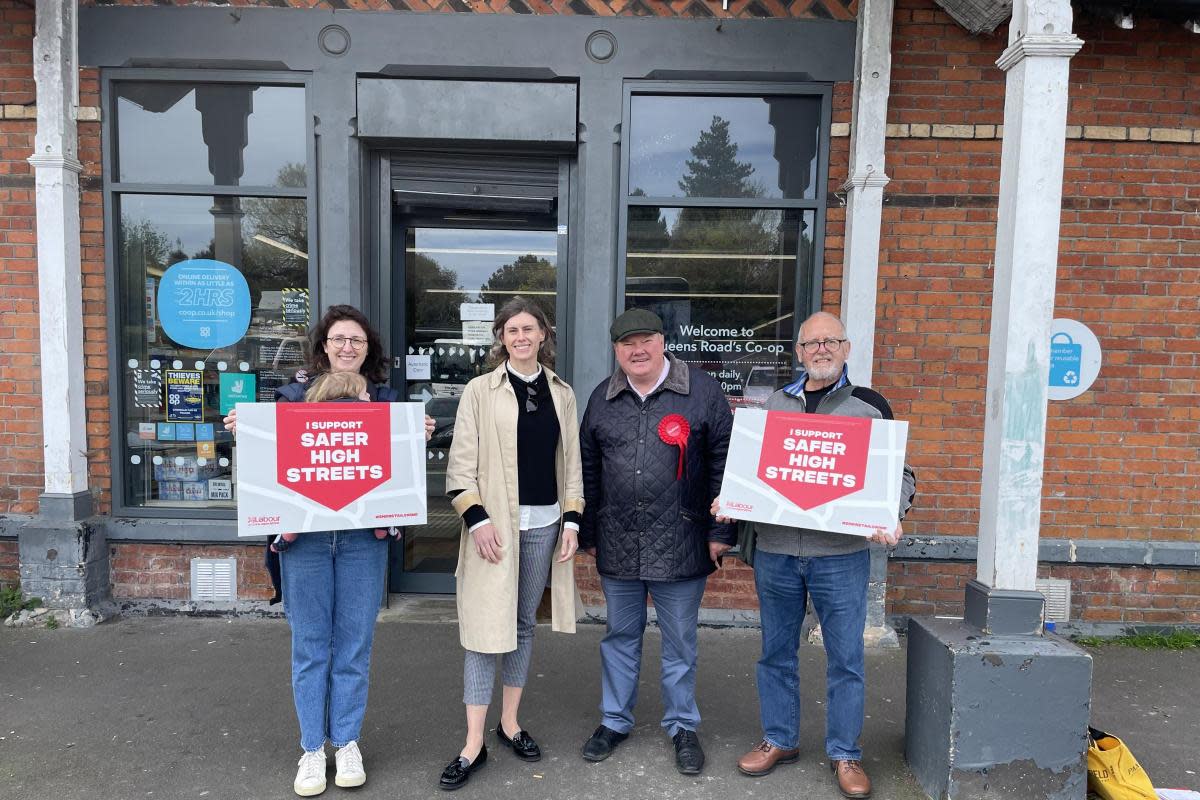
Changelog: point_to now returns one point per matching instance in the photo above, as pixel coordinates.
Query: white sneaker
(349, 766)
(310, 777)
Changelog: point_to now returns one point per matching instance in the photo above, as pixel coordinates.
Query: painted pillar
(62, 557)
(60, 298)
(864, 212)
(864, 187)
(1031, 168)
(995, 708)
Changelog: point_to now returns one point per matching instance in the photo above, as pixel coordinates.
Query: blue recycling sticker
(204, 304)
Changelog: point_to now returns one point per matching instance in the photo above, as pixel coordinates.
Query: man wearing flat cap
(653, 442)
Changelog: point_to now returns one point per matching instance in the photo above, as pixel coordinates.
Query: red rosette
(674, 429)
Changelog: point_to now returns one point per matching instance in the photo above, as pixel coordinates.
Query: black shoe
(602, 743)
(456, 773)
(523, 745)
(689, 757)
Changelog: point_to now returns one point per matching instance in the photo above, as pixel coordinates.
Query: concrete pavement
(179, 707)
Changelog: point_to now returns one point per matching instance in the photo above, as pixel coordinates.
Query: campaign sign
(816, 471)
(329, 466)
(204, 304)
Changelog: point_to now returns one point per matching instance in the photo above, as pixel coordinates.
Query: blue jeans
(332, 587)
(677, 605)
(838, 587)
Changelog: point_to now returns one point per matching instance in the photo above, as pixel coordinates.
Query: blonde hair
(336, 386)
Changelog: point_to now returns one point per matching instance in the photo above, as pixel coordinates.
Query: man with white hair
(792, 565)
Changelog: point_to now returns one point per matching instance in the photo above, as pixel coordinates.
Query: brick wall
(1099, 594)
(748, 9)
(21, 477)
(163, 571)
(9, 574)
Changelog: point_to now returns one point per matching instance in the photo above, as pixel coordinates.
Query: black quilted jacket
(644, 523)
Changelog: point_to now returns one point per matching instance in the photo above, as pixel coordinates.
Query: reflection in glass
(267, 240)
(724, 146)
(210, 134)
(449, 271)
(724, 282)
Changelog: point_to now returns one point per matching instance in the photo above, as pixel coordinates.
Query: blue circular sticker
(204, 304)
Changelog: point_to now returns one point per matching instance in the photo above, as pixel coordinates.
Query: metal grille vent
(1057, 592)
(214, 579)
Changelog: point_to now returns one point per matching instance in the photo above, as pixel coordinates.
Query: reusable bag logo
(1066, 360)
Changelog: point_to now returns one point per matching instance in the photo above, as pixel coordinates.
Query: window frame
(110, 189)
(817, 204)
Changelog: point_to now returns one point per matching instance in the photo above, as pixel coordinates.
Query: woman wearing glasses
(515, 477)
(332, 581)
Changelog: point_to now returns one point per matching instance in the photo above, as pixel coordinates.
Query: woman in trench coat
(520, 522)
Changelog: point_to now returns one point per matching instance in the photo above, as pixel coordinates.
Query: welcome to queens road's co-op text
(729, 344)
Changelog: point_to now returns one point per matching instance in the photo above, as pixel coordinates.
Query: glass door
(456, 279)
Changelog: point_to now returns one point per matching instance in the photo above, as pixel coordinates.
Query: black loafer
(523, 745)
(689, 757)
(602, 743)
(458, 771)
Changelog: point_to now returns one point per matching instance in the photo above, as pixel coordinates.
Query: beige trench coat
(483, 467)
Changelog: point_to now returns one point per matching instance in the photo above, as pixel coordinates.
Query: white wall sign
(476, 332)
(1074, 359)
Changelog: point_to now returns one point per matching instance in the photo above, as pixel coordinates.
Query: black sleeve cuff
(474, 515)
(573, 516)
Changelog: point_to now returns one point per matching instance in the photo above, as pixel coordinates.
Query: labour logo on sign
(333, 453)
(813, 459)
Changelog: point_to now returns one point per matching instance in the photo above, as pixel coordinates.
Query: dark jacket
(644, 522)
(294, 393)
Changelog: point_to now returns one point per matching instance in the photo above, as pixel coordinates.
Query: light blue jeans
(332, 587)
(838, 588)
(677, 607)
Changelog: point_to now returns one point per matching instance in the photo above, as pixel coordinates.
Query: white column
(1031, 168)
(56, 168)
(864, 188)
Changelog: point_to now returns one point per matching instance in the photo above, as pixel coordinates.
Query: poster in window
(236, 387)
(204, 304)
(147, 388)
(295, 307)
(185, 395)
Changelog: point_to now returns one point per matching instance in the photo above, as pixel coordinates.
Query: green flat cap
(635, 320)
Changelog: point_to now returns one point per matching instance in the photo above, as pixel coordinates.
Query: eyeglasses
(356, 342)
(830, 345)
(531, 401)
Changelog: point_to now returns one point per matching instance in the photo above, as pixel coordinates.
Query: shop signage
(204, 304)
(1074, 359)
(236, 387)
(483, 312)
(295, 307)
(329, 466)
(185, 395)
(837, 474)
(147, 388)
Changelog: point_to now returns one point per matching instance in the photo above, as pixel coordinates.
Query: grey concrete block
(993, 716)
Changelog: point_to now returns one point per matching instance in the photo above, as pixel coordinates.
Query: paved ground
(190, 708)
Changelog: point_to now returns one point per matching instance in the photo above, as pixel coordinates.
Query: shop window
(211, 259)
(723, 198)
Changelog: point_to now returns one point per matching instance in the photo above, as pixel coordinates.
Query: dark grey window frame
(806, 296)
(215, 524)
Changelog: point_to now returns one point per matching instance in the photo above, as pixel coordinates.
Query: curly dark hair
(521, 305)
(374, 367)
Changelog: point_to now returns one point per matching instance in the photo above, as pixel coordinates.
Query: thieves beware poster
(816, 471)
(329, 466)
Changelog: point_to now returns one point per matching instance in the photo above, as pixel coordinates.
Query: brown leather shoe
(851, 779)
(764, 758)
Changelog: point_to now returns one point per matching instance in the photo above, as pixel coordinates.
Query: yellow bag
(1113, 772)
